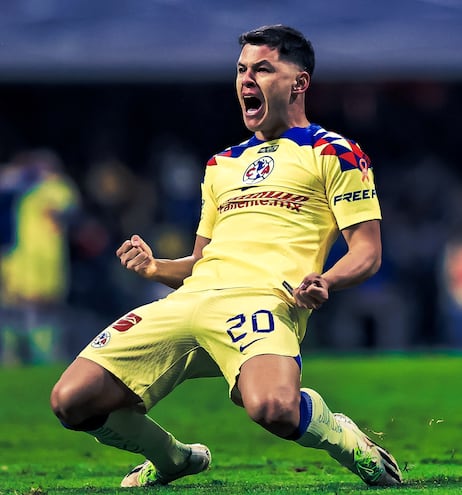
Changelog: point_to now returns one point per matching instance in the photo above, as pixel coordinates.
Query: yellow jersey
(273, 209)
(35, 269)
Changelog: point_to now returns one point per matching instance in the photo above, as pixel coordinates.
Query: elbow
(376, 266)
(376, 263)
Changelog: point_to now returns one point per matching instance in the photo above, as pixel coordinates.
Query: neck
(269, 135)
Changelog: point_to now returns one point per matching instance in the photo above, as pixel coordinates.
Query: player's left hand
(312, 293)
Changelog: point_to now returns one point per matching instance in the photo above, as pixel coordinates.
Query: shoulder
(314, 136)
(348, 152)
(304, 136)
(234, 151)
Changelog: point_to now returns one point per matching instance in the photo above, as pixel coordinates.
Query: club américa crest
(258, 170)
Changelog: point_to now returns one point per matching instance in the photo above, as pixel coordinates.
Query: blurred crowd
(60, 224)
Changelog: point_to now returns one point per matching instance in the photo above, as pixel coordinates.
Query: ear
(302, 82)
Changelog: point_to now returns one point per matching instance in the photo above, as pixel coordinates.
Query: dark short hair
(291, 44)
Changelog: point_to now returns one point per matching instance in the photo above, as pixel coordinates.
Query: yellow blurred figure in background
(34, 265)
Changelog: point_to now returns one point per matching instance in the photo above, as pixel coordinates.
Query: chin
(252, 125)
(251, 128)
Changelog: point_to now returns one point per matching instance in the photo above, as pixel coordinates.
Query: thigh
(151, 349)
(267, 376)
(240, 324)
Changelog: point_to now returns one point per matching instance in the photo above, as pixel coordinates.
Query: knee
(65, 403)
(276, 412)
(86, 391)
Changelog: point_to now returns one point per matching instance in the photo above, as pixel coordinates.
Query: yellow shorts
(195, 334)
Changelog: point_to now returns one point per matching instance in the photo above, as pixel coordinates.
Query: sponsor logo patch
(293, 202)
(269, 149)
(101, 340)
(349, 197)
(126, 322)
(258, 170)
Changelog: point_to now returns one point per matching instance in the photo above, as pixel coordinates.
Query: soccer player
(272, 207)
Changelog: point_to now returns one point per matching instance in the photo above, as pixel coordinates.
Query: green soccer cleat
(147, 475)
(373, 464)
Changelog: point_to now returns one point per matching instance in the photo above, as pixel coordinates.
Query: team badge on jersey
(101, 340)
(258, 170)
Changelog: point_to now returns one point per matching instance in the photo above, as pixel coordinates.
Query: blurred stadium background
(109, 110)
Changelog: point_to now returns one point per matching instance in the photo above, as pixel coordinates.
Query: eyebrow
(256, 64)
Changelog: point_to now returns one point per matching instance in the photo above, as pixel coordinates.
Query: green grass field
(411, 404)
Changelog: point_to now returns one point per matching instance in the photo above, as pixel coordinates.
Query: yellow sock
(324, 432)
(129, 430)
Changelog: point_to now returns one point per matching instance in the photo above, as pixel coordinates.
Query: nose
(247, 79)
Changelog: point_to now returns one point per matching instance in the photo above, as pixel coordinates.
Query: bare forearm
(173, 272)
(352, 269)
(136, 255)
(362, 260)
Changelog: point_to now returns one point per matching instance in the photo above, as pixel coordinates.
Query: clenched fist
(136, 255)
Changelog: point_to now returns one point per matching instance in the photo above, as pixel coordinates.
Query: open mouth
(252, 104)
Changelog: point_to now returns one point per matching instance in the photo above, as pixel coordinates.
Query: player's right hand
(136, 255)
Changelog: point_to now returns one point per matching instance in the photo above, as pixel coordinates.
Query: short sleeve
(208, 207)
(350, 188)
